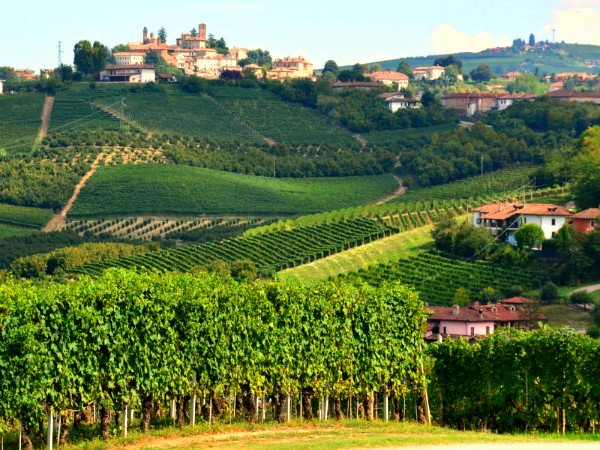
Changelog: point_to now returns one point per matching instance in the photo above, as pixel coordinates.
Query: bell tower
(145, 35)
(202, 31)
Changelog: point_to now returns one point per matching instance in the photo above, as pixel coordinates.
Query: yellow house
(287, 68)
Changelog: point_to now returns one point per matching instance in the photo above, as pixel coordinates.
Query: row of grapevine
(437, 276)
(141, 341)
(21, 120)
(433, 200)
(273, 251)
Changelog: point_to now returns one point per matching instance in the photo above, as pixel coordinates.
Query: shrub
(549, 292)
(529, 236)
(580, 298)
(594, 331)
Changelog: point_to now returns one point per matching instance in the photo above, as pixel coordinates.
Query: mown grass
(169, 189)
(317, 435)
(402, 245)
(566, 316)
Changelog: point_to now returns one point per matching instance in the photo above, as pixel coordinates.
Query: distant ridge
(560, 57)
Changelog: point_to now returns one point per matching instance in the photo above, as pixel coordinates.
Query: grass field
(11, 231)
(382, 251)
(326, 435)
(565, 316)
(22, 216)
(164, 189)
(21, 121)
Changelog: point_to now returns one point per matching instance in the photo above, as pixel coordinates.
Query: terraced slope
(170, 189)
(21, 119)
(437, 277)
(273, 251)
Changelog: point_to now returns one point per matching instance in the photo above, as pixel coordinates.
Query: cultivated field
(21, 121)
(147, 189)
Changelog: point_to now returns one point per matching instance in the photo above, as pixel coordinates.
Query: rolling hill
(560, 57)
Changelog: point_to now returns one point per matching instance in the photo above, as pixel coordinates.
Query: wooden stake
(386, 415)
(125, 417)
(193, 410)
(50, 439)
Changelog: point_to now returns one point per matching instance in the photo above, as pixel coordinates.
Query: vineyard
(170, 189)
(393, 136)
(437, 277)
(74, 110)
(21, 120)
(145, 228)
(24, 217)
(269, 252)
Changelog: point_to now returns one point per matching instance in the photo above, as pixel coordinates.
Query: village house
(587, 220)
(390, 78)
(511, 76)
(341, 86)
(428, 72)
(467, 104)
(582, 76)
(1, 87)
(129, 58)
(504, 219)
(576, 96)
(397, 102)
(506, 100)
(26, 74)
(255, 69)
(135, 73)
(477, 320)
(557, 86)
(288, 68)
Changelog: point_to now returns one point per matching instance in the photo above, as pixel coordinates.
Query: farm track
(57, 223)
(46, 116)
(397, 193)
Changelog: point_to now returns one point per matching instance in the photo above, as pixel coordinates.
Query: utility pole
(60, 52)
(553, 35)
(481, 164)
(122, 113)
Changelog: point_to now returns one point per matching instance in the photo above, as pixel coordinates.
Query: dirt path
(397, 193)
(589, 289)
(57, 223)
(359, 138)
(46, 114)
(503, 446)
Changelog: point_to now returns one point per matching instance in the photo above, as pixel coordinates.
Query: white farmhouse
(504, 219)
(133, 73)
(129, 58)
(1, 87)
(399, 102)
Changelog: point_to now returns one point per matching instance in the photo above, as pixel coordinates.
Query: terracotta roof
(470, 95)
(426, 68)
(587, 214)
(401, 99)
(512, 74)
(476, 312)
(573, 94)
(388, 75)
(519, 96)
(517, 301)
(373, 84)
(129, 66)
(503, 211)
(557, 84)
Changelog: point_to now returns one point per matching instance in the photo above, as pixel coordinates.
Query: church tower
(202, 31)
(145, 36)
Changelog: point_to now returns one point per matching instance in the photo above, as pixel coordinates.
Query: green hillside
(143, 189)
(558, 58)
(20, 121)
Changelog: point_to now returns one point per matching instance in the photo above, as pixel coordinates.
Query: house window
(444, 330)
(487, 330)
(553, 222)
(472, 331)
(553, 234)
(524, 219)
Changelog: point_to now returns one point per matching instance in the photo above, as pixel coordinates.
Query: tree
(404, 67)
(243, 269)
(152, 58)
(461, 297)
(481, 74)
(581, 298)
(449, 60)
(162, 35)
(90, 59)
(193, 32)
(358, 68)
(586, 168)
(489, 295)
(531, 39)
(518, 45)
(8, 74)
(259, 57)
(120, 48)
(331, 67)
(527, 83)
(218, 44)
(530, 236)
(549, 292)
(64, 72)
(428, 99)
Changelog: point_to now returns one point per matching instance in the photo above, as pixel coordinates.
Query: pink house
(475, 320)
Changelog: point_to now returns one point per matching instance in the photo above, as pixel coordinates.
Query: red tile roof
(371, 84)
(587, 214)
(502, 211)
(128, 66)
(517, 301)
(470, 95)
(479, 313)
(387, 75)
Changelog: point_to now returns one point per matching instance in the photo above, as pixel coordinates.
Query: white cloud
(447, 39)
(575, 21)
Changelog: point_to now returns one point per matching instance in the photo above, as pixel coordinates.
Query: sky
(346, 31)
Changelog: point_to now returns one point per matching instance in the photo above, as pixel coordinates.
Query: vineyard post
(385, 407)
(263, 408)
(326, 406)
(301, 405)
(256, 403)
(210, 412)
(125, 417)
(50, 440)
(173, 410)
(59, 420)
(289, 406)
(20, 435)
(193, 410)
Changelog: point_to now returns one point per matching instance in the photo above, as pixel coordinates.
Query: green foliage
(180, 189)
(586, 165)
(549, 292)
(127, 337)
(527, 83)
(529, 236)
(462, 240)
(90, 59)
(23, 216)
(20, 121)
(331, 67)
(507, 382)
(259, 57)
(450, 60)
(489, 295)
(481, 74)
(438, 276)
(581, 298)
(461, 297)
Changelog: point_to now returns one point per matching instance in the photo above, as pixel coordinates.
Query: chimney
(455, 310)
